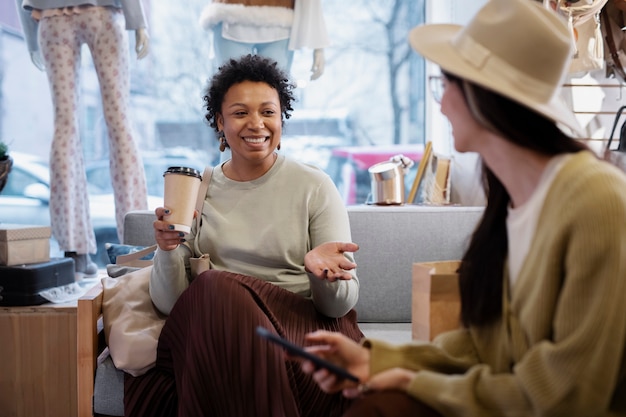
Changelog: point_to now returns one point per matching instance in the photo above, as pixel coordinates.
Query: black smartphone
(298, 351)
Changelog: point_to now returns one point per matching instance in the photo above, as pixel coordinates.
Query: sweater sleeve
(330, 223)
(169, 277)
(415, 357)
(309, 28)
(134, 14)
(29, 26)
(334, 299)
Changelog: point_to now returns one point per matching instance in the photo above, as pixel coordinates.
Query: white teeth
(254, 140)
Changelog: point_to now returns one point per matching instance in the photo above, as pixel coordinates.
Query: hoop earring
(222, 138)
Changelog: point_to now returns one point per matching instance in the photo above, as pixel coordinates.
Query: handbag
(201, 262)
(617, 156)
(132, 324)
(583, 20)
(612, 21)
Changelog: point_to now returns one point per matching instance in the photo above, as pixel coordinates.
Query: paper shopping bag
(436, 304)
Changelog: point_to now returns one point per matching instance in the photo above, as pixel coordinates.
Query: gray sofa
(391, 239)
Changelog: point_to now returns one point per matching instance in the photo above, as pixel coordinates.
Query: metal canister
(387, 183)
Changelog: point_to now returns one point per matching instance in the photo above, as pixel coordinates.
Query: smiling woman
(279, 241)
(250, 124)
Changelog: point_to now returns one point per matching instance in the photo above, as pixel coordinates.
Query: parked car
(348, 167)
(25, 200)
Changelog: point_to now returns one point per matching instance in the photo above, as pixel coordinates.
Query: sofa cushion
(391, 239)
(108, 394)
(117, 249)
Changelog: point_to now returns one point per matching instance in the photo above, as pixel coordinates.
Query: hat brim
(434, 42)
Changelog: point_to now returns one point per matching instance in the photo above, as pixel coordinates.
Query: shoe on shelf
(83, 265)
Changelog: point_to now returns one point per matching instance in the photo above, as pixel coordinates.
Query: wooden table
(38, 353)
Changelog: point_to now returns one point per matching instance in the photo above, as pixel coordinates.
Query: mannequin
(272, 28)
(55, 31)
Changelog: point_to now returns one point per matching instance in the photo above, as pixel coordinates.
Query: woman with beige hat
(542, 281)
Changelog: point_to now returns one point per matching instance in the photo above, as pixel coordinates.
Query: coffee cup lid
(192, 172)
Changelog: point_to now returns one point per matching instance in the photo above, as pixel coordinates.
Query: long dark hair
(482, 266)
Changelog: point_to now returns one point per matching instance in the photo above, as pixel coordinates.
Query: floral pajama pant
(60, 39)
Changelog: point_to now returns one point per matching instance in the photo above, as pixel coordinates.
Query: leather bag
(617, 156)
(612, 21)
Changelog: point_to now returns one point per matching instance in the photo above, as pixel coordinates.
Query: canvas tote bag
(132, 324)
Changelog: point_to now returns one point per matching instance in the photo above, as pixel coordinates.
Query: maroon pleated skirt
(210, 361)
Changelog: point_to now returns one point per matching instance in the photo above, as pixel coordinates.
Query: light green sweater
(559, 349)
(263, 228)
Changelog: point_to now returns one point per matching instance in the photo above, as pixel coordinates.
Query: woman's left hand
(390, 379)
(327, 261)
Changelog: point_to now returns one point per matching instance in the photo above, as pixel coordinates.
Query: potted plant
(6, 162)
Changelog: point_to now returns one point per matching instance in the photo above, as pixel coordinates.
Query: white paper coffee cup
(181, 192)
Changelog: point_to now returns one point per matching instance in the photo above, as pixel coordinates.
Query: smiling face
(251, 121)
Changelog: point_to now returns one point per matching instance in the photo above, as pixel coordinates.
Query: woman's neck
(519, 169)
(242, 170)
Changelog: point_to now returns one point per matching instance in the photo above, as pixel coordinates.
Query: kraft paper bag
(436, 304)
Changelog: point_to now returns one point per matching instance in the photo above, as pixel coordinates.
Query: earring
(222, 138)
(278, 147)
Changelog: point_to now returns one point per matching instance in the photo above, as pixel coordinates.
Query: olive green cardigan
(559, 348)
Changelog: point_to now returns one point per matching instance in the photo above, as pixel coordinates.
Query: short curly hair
(247, 68)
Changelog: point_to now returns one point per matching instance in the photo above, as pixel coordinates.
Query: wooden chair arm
(89, 312)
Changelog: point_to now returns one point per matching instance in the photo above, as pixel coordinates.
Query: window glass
(367, 105)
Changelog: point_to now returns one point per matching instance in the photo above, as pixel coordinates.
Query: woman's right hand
(342, 351)
(166, 237)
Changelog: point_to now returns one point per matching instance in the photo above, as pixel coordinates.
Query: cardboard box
(436, 303)
(23, 244)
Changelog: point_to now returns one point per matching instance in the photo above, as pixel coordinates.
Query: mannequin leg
(226, 49)
(278, 51)
(69, 201)
(108, 44)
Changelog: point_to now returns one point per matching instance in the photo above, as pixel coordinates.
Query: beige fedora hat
(517, 48)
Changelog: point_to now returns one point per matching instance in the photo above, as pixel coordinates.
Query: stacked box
(23, 244)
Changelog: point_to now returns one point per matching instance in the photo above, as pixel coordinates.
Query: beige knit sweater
(559, 349)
